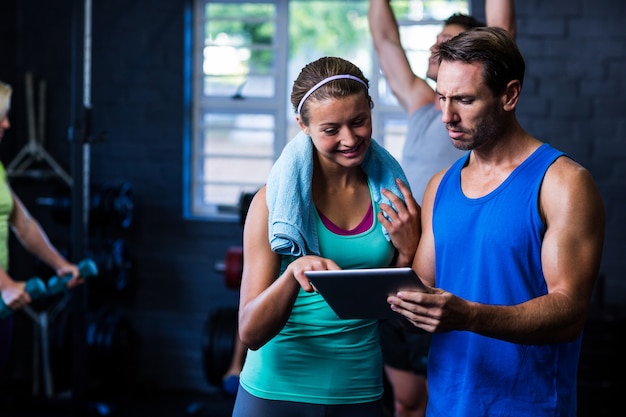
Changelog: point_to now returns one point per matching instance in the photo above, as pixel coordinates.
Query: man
(512, 238)
(427, 150)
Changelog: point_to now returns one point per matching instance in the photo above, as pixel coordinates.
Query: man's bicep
(424, 262)
(574, 216)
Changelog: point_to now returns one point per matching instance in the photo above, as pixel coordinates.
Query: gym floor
(154, 404)
(600, 401)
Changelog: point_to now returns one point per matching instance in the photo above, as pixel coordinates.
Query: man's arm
(424, 261)
(411, 91)
(571, 252)
(573, 212)
(501, 13)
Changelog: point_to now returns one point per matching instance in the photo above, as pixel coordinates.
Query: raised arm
(411, 91)
(501, 13)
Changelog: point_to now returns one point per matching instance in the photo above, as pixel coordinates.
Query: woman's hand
(14, 295)
(70, 269)
(402, 223)
(309, 263)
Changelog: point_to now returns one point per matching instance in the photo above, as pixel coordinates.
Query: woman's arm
(34, 239)
(266, 299)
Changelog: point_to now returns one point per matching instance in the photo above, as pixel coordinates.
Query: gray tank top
(427, 149)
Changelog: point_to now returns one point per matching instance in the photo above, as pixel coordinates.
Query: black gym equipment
(42, 319)
(218, 343)
(112, 348)
(80, 137)
(111, 204)
(114, 263)
(220, 329)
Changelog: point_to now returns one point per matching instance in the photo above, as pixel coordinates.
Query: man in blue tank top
(426, 151)
(511, 246)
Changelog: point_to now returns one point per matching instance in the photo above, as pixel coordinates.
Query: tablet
(362, 293)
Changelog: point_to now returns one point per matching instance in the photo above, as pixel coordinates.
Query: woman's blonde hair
(5, 98)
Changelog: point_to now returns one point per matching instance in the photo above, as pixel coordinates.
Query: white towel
(292, 227)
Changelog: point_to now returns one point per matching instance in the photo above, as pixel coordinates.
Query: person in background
(334, 199)
(512, 238)
(230, 380)
(14, 216)
(427, 150)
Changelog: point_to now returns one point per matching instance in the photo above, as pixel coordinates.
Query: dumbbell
(34, 287)
(86, 269)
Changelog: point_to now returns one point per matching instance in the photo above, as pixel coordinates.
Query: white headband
(326, 80)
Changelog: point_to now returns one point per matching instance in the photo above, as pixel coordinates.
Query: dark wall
(573, 98)
(138, 82)
(137, 104)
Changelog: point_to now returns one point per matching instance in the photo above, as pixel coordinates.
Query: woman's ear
(304, 128)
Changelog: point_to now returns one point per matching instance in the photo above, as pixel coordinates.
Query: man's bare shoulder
(569, 186)
(434, 181)
(566, 170)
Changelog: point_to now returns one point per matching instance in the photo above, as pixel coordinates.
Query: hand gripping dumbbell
(86, 269)
(34, 287)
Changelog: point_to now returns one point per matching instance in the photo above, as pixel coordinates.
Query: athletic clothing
(489, 251)
(403, 349)
(6, 207)
(427, 150)
(360, 228)
(318, 358)
(249, 405)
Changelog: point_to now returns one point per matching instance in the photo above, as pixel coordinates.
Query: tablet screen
(362, 293)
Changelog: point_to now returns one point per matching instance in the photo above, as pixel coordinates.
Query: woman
(14, 215)
(327, 204)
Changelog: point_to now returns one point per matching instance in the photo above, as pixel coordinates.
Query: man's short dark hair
(463, 20)
(494, 49)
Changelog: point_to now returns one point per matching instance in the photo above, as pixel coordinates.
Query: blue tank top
(317, 357)
(489, 251)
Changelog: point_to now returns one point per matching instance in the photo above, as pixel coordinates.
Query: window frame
(277, 106)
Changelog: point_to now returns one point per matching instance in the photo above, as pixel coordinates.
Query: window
(246, 54)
